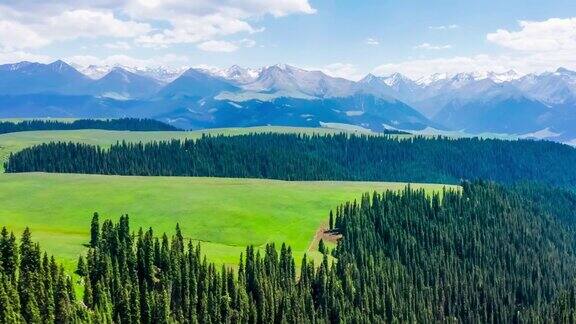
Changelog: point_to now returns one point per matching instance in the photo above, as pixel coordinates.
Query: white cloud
(248, 43)
(372, 41)
(174, 21)
(197, 29)
(36, 32)
(122, 46)
(206, 20)
(428, 46)
(126, 60)
(423, 67)
(225, 46)
(276, 8)
(536, 47)
(87, 23)
(14, 35)
(19, 56)
(444, 27)
(217, 46)
(554, 34)
(532, 63)
(342, 70)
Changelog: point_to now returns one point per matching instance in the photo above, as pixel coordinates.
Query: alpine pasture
(224, 215)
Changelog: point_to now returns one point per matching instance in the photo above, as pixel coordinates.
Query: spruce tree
(94, 231)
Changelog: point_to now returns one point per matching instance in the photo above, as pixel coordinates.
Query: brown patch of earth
(324, 234)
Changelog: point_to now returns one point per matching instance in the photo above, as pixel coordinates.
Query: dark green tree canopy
(302, 157)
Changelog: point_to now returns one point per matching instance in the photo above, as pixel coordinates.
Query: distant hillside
(128, 124)
(123, 85)
(532, 106)
(301, 157)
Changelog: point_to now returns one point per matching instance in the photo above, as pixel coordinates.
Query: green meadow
(225, 215)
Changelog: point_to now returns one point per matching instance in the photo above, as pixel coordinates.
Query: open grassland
(224, 214)
(13, 142)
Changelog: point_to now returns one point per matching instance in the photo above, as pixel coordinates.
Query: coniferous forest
(500, 250)
(486, 254)
(304, 157)
(120, 124)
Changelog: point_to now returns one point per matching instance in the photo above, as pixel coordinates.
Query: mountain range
(539, 106)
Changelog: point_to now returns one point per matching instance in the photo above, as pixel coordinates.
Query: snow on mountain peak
(281, 66)
(59, 66)
(15, 66)
(427, 80)
(507, 76)
(369, 78)
(160, 73)
(240, 74)
(562, 70)
(395, 78)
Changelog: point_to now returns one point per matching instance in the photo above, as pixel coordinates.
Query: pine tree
(94, 231)
(321, 247)
(81, 269)
(8, 253)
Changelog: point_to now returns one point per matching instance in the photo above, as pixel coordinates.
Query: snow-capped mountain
(236, 74)
(196, 83)
(122, 84)
(427, 80)
(375, 86)
(535, 105)
(160, 73)
(553, 88)
(508, 76)
(94, 72)
(404, 87)
(27, 77)
(292, 81)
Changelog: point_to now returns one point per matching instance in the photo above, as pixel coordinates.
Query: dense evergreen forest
(303, 157)
(485, 254)
(121, 124)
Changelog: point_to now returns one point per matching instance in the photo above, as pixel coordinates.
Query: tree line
(486, 253)
(314, 157)
(121, 124)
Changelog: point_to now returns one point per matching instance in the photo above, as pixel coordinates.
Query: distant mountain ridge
(534, 105)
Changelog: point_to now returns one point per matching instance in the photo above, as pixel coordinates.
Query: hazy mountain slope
(362, 110)
(28, 78)
(196, 83)
(533, 106)
(510, 115)
(122, 84)
(553, 88)
(291, 80)
(55, 105)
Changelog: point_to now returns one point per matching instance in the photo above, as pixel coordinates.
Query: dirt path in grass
(322, 233)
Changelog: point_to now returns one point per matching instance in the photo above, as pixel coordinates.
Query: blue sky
(344, 38)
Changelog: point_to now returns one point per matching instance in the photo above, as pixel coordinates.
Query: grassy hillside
(14, 142)
(225, 214)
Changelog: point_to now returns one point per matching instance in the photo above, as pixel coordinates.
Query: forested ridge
(315, 157)
(486, 253)
(120, 124)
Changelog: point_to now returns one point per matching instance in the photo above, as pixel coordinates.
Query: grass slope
(225, 214)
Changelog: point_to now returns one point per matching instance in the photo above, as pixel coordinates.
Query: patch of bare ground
(325, 234)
